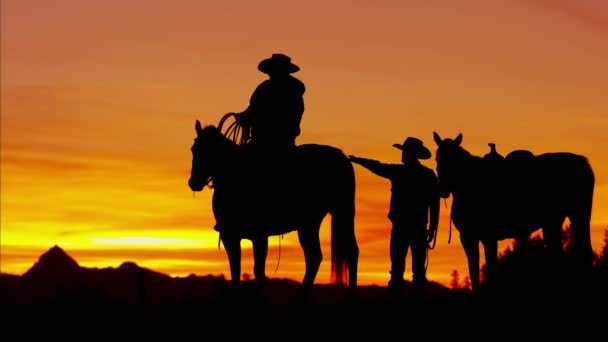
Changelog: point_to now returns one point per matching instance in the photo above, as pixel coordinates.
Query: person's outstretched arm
(380, 169)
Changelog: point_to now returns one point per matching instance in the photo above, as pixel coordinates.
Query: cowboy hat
(278, 63)
(414, 147)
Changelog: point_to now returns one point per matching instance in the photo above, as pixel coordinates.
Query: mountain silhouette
(54, 263)
(57, 279)
(56, 295)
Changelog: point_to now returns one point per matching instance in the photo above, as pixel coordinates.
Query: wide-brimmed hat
(278, 63)
(415, 148)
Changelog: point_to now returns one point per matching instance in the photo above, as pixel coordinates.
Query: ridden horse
(513, 197)
(255, 202)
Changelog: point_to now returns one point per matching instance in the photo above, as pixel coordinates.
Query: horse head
(449, 157)
(208, 151)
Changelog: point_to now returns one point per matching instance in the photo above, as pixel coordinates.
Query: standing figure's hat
(414, 147)
(278, 63)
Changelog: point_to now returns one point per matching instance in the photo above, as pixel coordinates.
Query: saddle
(514, 176)
(517, 166)
(513, 185)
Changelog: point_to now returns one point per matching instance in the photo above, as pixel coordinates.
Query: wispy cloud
(591, 13)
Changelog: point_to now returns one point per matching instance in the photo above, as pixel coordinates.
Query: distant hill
(56, 279)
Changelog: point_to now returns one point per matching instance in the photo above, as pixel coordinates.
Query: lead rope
(434, 240)
(430, 246)
(445, 201)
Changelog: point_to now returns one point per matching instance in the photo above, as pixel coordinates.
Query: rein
(445, 201)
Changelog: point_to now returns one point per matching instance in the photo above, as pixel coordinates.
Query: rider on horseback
(275, 108)
(272, 122)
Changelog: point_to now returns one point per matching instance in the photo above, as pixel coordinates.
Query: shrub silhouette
(527, 271)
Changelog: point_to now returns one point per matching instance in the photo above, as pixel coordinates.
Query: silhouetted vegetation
(457, 283)
(528, 273)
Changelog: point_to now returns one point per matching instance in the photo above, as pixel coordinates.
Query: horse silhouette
(512, 197)
(316, 180)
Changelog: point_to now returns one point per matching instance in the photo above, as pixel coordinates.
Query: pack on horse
(496, 198)
(247, 205)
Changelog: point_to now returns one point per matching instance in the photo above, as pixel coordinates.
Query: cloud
(591, 13)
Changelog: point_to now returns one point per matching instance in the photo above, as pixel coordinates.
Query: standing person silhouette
(414, 204)
(275, 108)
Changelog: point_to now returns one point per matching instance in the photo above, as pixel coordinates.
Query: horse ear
(437, 138)
(458, 139)
(198, 127)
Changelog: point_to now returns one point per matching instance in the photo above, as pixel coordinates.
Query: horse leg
(580, 230)
(311, 245)
(490, 248)
(552, 236)
(232, 245)
(260, 253)
(471, 249)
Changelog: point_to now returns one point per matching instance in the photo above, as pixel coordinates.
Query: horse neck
(466, 169)
(226, 165)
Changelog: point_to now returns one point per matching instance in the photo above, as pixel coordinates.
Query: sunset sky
(99, 101)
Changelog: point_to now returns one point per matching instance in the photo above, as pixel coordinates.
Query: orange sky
(99, 101)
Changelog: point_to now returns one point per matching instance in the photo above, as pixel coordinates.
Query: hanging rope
(235, 131)
(445, 201)
(430, 245)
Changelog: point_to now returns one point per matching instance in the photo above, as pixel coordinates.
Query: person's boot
(418, 289)
(395, 286)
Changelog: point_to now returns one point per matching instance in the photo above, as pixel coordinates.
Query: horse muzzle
(444, 193)
(195, 185)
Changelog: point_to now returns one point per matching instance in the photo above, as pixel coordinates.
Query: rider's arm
(244, 118)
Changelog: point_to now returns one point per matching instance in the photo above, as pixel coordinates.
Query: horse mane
(211, 134)
(459, 150)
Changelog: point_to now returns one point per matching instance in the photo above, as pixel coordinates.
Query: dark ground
(58, 298)
(456, 314)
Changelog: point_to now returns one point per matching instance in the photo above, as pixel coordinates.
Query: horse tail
(344, 249)
(340, 227)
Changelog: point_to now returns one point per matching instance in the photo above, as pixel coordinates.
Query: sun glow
(145, 241)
